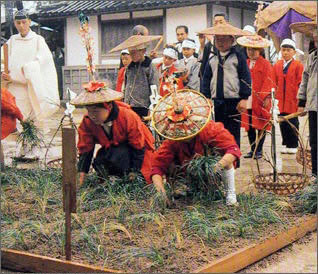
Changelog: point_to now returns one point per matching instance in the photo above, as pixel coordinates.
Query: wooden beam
(249, 255)
(69, 183)
(27, 262)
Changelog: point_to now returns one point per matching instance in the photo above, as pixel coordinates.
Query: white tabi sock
(229, 180)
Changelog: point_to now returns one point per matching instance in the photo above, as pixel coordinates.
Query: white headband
(188, 44)
(124, 51)
(170, 53)
(250, 29)
(290, 42)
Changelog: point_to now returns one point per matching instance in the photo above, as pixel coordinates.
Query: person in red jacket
(124, 62)
(166, 70)
(181, 149)
(288, 75)
(9, 114)
(259, 103)
(127, 144)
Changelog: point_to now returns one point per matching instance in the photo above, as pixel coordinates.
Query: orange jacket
(214, 135)
(262, 84)
(127, 127)
(287, 96)
(120, 78)
(165, 82)
(9, 113)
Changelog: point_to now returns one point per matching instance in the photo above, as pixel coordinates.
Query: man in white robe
(32, 75)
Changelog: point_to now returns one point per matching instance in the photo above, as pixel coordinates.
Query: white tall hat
(170, 52)
(250, 29)
(290, 42)
(188, 44)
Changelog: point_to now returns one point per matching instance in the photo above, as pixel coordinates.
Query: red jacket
(288, 96)
(262, 84)
(9, 113)
(127, 127)
(165, 83)
(214, 135)
(120, 78)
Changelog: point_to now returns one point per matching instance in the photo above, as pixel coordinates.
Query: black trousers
(225, 112)
(251, 133)
(313, 139)
(289, 136)
(140, 111)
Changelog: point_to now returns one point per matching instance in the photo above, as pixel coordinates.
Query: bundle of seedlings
(202, 178)
(30, 137)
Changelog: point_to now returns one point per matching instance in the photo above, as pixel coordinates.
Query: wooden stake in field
(69, 183)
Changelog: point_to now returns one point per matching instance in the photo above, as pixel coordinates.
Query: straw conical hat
(95, 93)
(225, 29)
(254, 41)
(183, 120)
(304, 27)
(136, 42)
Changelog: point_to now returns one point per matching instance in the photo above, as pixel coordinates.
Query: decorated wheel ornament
(181, 115)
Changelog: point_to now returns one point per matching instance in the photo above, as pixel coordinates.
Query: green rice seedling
(128, 255)
(256, 211)
(151, 217)
(177, 237)
(199, 222)
(157, 202)
(30, 135)
(111, 226)
(307, 199)
(13, 238)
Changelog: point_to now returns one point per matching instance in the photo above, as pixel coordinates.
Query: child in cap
(191, 64)
(124, 62)
(187, 139)
(259, 103)
(166, 70)
(126, 143)
(287, 77)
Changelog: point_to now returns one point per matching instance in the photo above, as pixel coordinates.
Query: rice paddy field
(123, 225)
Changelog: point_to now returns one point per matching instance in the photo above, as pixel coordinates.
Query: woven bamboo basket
(300, 158)
(285, 183)
(56, 163)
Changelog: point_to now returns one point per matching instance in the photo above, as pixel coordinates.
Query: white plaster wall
(194, 17)
(76, 52)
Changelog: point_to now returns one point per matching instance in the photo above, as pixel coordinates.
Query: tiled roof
(71, 8)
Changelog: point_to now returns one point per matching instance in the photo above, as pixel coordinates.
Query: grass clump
(253, 212)
(307, 199)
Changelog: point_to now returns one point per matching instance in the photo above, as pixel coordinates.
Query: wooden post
(69, 183)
